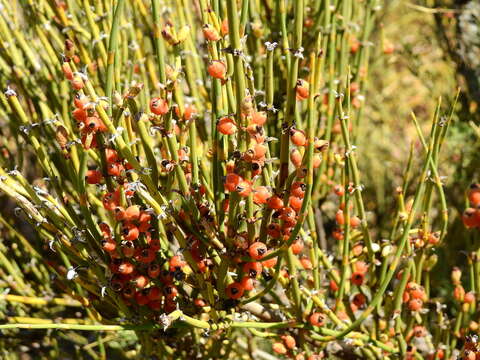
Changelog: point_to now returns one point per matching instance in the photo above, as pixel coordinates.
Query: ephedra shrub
(170, 162)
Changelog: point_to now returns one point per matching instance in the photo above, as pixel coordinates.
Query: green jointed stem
(112, 51)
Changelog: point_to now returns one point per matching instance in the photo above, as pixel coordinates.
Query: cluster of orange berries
(355, 221)
(287, 344)
(471, 215)
(299, 139)
(88, 121)
(251, 270)
(414, 296)
(137, 271)
(466, 298)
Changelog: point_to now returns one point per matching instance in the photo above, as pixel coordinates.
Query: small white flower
(10, 92)
(271, 46)
(72, 273)
(165, 321)
(299, 53)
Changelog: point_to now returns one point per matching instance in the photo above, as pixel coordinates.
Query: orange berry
(359, 300)
(355, 221)
(111, 155)
(224, 27)
(170, 291)
(459, 293)
(115, 169)
(338, 190)
(298, 137)
(235, 290)
(419, 331)
(298, 189)
(308, 22)
(80, 115)
(111, 200)
(141, 281)
(261, 194)
(126, 268)
(275, 203)
(474, 195)
(288, 216)
(231, 181)
(469, 218)
(273, 230)
(80, 100)
(189, 112)
(295, 203)
(153, 271)
(199, 302)
(469, 298)
(217, 69)
(176, 262)
(253, 269)
(259, 150)
(109, 245)
(360, 267)
(106, 230)
(93, 177)
(297, 246)
(256, 167)
(259, 117)
(92, 124)
(333, 286)
(226, 126)
(357, 249)
(302, 89)
(270, 263)
(415, 304)
(145, 217)
(67, 71)
(306, 263)
(339, 218)
(145, 256)
(337, 234)
(357, 278)
(77, 83)
(418, 293)
(247, 283)
(244, 188)
(130, 232)
(317, 319)
(296, 158)
(159, 106)
(132, 213)
(128, 249)
(210, 33)
(279, 348)
(257, 250)
(289, 341)
(316, 161)
(354, 45)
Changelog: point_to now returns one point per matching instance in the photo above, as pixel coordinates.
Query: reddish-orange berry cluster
(471, 215)
(415, 296)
